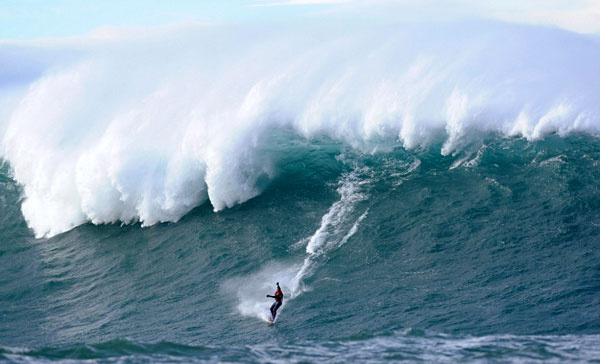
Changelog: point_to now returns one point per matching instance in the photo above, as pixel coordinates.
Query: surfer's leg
(274, 311)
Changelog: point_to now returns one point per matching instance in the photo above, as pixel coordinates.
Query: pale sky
(33, 19)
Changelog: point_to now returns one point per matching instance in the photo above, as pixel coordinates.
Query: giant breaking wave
(123, 127)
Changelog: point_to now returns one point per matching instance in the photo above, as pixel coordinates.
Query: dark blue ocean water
(484, 256)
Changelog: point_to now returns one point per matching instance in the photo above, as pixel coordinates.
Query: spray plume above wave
(146, 129)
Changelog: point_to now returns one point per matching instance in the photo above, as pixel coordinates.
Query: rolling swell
(409, 346)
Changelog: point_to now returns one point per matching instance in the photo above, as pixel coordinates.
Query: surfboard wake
(337, 226)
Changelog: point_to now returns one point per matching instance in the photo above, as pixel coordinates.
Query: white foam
(145, 129)
(335, 229)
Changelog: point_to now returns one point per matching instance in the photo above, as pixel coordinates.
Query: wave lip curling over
(147, 129)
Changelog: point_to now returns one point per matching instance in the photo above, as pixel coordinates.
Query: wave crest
(147, 129)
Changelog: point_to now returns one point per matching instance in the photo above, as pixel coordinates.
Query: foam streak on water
(336, 227)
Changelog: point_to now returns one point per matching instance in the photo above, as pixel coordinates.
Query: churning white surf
(147, 128)
(337, 226)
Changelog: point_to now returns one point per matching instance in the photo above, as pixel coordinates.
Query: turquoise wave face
(399, 255)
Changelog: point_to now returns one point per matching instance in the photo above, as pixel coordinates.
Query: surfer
(278, 301)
